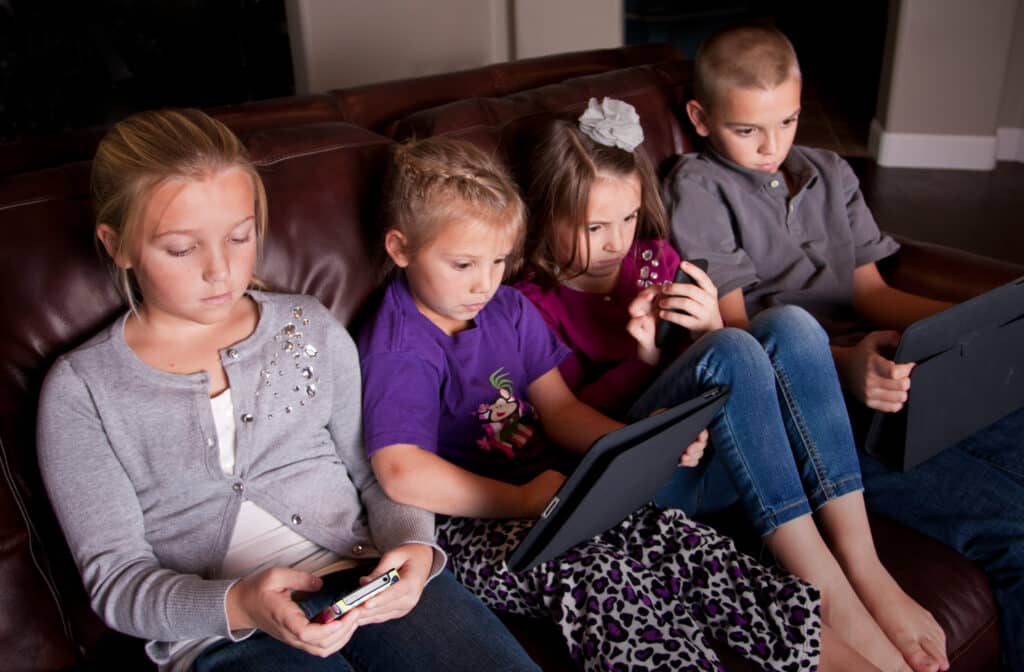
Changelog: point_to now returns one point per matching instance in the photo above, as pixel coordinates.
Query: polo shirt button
(233, 354)
(358, 549)
(238, 487)
(296, 519)
(790, 207)
(246, 417)
(774, 184)
(209, 443)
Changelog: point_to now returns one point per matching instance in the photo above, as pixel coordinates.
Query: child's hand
(873, 378)
(698, 303)
(413, 562)
(264, 601)
(642, 324)
(695, 451)
(539, 491)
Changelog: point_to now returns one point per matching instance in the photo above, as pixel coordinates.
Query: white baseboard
(924, 150)
(1010, 144)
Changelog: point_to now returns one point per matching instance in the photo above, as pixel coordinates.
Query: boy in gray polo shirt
(784, 224)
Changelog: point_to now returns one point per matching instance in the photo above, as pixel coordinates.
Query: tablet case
(621, 471)
(969, 373)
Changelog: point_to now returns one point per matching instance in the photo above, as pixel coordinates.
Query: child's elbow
(394, 474)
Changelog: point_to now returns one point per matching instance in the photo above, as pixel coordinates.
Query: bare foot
(843, 611)
(908, 625)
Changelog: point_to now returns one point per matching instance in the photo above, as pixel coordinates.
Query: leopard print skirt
(648, 594)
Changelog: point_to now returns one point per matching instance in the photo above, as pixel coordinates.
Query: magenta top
(603, 369)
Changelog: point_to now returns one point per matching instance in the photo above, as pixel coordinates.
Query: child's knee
(789, 325)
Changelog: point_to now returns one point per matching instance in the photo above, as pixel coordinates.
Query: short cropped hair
(743, 56)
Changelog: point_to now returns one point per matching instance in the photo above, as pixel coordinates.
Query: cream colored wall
(341, 43)
(1011, 109)
(543, 27)
(948, 66)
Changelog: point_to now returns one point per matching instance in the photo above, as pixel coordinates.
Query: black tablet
(622, 471)
(969, 373)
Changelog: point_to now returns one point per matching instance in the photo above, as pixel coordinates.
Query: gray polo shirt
(778, 249)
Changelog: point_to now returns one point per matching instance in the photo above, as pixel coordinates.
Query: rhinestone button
(358, 549)
(238, 487)
(246, 417)
(296, 519)
(774, 184)
(233, 354)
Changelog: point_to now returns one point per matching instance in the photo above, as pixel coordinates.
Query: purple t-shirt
(462, 397)
(604, 369)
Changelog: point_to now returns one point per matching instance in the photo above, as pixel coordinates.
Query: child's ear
(111, 242)
(396, 244)
(698, 117)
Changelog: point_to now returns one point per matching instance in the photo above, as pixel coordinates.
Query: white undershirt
(259, 540)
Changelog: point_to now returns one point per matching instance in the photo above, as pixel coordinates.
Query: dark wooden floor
(977, 211)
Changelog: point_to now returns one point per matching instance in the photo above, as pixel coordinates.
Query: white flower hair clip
(613, 123)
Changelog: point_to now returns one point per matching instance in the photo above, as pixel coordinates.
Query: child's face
(750, 126)
(197, 248)
(613, 208)
(454, 276)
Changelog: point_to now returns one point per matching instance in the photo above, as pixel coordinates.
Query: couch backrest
(373, 106)
(504, 125)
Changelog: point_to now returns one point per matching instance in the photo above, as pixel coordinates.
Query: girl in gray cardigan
(204, 454)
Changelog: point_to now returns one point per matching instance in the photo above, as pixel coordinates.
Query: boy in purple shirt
(784, 224)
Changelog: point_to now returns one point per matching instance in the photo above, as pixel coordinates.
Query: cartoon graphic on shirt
(502, 419)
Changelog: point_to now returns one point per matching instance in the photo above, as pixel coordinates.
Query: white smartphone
(357, 597)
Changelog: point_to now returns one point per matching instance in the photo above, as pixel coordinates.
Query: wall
(943, 78)
(342, 43)
(542, 27)
(1010, 135)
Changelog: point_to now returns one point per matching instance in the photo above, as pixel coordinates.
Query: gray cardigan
(130, 460)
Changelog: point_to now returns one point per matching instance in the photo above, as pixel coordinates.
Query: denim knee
(788, 325)
(731, 350)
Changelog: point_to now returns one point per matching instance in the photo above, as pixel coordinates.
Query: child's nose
(768, 143)
(216, 267)
(483, 281)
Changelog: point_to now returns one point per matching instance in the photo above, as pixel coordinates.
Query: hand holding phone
(668, 332)
(357, 597)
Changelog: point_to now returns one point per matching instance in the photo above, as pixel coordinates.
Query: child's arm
(888, 307)
(414, 476)
(866, 369)
(734, 310)
(566, 420)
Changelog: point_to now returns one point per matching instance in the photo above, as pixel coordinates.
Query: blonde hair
(434, 181)
(145, 150)
(747, 57)
(564, 167)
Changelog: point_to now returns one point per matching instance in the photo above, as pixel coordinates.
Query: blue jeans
(449, 629)
(782, 444)
(970, 497)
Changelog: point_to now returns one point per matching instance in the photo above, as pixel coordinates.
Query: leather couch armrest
(944, 273)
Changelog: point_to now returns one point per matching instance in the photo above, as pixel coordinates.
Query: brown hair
(564, 167)
(748, 57)
(434, 181)
(145, 150)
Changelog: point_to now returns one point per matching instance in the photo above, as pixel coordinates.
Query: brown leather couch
(323, 174)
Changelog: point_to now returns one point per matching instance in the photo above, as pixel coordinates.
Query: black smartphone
(357, 597)
(669, 333)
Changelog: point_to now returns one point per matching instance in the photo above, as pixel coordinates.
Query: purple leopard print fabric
(648, 594)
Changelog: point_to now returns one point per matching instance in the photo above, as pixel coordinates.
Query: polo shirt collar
(799, 167)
